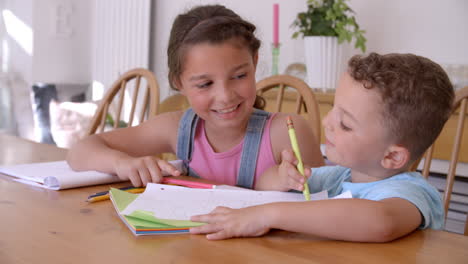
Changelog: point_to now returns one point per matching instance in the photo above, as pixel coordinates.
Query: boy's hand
(284, 177)
(224, 222)
(142, 170)
(288, 174)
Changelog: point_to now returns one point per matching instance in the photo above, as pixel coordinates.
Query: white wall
(437, 29)
(17, 59)
(62, 41)
(259, 12)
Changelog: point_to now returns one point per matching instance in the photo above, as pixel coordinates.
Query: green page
(121, 199)
(141, 219)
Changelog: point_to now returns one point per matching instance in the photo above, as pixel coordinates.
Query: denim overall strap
(185, 137)
(251, 147)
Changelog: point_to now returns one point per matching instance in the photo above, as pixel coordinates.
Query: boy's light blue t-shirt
(410, 186)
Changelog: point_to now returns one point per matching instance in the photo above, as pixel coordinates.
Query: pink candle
(276, 24)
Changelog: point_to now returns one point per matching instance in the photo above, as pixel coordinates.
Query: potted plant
(324, 26)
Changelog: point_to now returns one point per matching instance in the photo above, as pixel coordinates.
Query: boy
(388, 110)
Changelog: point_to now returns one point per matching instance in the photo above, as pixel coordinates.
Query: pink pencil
(190, 184)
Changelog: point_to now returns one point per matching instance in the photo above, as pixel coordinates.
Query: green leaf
(110, 121)
(122, 124)
(329, 18)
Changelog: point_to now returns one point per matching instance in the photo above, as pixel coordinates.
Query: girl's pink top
(223, 167)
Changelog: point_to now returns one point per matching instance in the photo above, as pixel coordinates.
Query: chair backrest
(460, 104)
(292, 95)
(147, 100)
(466, 226)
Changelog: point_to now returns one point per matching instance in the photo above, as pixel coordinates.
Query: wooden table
(44, 226)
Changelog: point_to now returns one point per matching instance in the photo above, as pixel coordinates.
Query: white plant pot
(324, 61)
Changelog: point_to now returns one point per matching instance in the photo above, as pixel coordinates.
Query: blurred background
(74, 49)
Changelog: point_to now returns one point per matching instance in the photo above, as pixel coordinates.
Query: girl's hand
(142, 170)
(224, 222)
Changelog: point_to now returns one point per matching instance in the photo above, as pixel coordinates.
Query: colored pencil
(101, 196)
(96, 198)
(295, 146)
(191, 184)
(106, 192)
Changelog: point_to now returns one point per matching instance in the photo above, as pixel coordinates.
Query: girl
(224, 137)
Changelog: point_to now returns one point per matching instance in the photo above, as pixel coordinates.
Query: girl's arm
(105, 152)
(341, 219)
(309, 145)
(284, 176)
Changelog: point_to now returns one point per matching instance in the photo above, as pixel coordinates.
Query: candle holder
(275, 51)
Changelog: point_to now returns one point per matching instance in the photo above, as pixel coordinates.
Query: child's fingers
(144, 175)
(213, 216)
(154, 170)
(134, 177)
(288, 156)
(222, 234)
(221, 210)
(168, 167)
(307, 172)
(206, 218)
(296, 184)
(205, 229)
(295, 179)
(214, 227)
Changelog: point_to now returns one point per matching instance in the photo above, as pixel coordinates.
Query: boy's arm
(349, 219)
(341, 219)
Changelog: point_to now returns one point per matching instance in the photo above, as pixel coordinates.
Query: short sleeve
(415, 190)
(328, 178)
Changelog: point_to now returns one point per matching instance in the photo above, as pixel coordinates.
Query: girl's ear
(396, 157)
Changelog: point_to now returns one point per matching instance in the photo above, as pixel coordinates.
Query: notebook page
(180, 203)
(58, 175)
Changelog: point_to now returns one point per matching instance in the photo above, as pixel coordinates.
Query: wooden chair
(175, 102)
(302, 100)
(146, 100)
(466, 226)
(460, 104)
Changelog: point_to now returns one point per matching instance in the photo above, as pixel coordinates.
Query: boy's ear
(396, 157)
(255, 59)
(178, 85)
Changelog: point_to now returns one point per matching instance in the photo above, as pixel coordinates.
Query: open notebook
(164, 209)
(58, 175)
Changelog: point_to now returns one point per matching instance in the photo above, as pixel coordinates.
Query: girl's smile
(227, 113)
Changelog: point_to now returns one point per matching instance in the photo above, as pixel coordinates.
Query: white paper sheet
(58, 175)
(180, 203)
